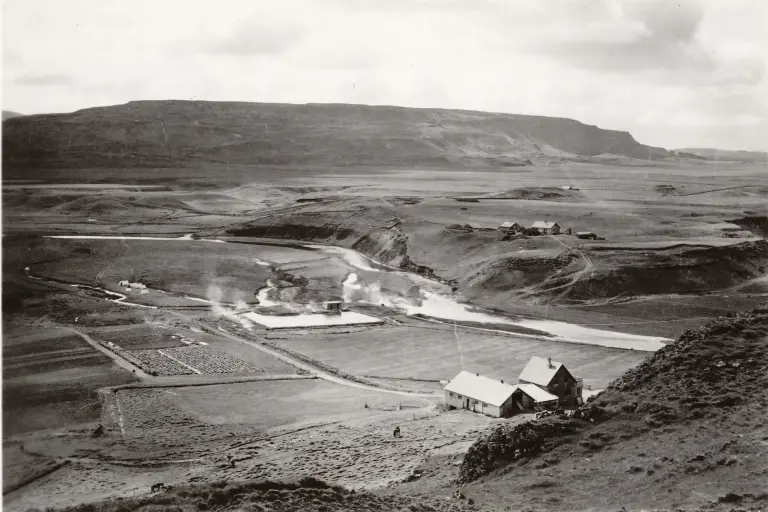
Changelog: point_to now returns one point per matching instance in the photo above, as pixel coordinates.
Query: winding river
(434, 302)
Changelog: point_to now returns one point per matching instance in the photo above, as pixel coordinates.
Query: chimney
(477, 374)
(549, 362)
(502, 381)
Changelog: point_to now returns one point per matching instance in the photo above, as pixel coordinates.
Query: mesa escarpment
(173, 133)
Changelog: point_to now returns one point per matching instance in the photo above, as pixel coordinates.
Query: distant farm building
(461, 227)
(493, 397)
(569, 187)
(510, 227)
(546, 228)
(552, 377)
(332, 305)
(129, 286)
(586, 235)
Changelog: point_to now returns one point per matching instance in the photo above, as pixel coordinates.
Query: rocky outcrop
(507, 443)
(722, 364)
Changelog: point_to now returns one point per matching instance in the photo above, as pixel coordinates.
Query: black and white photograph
(384, 255)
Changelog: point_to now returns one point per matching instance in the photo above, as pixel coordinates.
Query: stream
(435, 299)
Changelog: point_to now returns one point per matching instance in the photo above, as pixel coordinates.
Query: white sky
(672, 73)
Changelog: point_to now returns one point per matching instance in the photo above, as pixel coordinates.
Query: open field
(283, 404)
(436, 353)
(50, 378)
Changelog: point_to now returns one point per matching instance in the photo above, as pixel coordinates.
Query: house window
(459, 397)
(485, 404)
(451, 394)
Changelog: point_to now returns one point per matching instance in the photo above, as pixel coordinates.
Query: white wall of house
(459, 401)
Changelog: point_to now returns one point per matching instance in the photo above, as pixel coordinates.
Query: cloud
(43, 79)
(252, 39)
(652, 35)
(656, 38)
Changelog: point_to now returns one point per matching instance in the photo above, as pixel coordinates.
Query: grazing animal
(397, 432)
(158, 487)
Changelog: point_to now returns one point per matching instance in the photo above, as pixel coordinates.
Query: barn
(510, 227)
(493, 397)
(546, 228)
(554, 378)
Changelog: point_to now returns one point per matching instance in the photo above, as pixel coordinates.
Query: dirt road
(117, 359)
(588, 267)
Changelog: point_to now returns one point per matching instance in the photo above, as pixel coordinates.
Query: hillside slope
(686, 429)
(727, 155)
(160, 133)
(9, 114)
(308, 494)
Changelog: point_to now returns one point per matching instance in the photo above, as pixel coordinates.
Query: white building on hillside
(552, 377)
(494, 397)
(510, 227)
(546, 228)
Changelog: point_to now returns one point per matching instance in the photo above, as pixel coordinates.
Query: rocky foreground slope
(172, 133)
(308, 494)
(686, 429)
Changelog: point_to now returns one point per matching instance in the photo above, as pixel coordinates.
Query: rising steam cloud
(215, 296)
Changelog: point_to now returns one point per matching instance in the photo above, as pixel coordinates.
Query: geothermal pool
(434, 301)
(311, 320)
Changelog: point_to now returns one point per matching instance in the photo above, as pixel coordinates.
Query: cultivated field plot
(140, 338)
(209, 360)
(154, 362)
(50, 379)
(270, 404)
(184, 360)
(437, 353)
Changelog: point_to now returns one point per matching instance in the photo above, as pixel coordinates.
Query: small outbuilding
(546, 228)
(552, 377)
(586, 235)
(332, 305)
(510, 227)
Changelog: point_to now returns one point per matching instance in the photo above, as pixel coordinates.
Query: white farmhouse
(494, 397)
(546, 228)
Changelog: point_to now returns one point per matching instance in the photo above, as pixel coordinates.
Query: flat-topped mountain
(171, 133)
